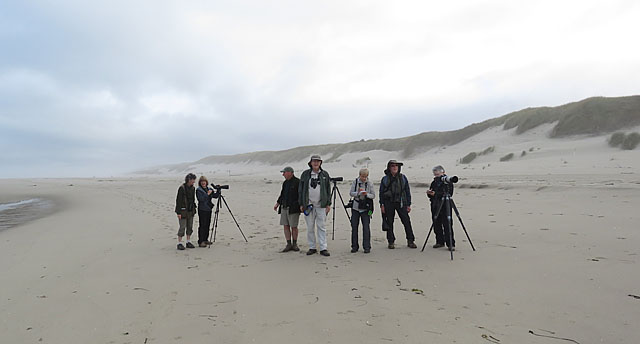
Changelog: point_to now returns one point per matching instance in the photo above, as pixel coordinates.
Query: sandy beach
(557, 254)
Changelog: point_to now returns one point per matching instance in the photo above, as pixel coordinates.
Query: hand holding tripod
(448, 204)
(221, 199)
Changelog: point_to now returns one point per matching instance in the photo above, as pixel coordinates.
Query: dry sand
(557, 253)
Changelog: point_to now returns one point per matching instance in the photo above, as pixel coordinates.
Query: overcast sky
(99, 89)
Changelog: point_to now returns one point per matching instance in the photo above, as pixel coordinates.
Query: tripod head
(219, 188)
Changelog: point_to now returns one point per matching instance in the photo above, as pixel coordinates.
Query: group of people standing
(311, 195)
(186, 210)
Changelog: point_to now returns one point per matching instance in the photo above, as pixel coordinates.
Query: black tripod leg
(234, 218)
(447, 208)
(333, 221)
(433, 221)
(453, 205)
(214, 228)
(427, 239)
(345, 208)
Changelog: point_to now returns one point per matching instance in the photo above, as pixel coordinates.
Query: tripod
(447, 203)
(336, 192)
(216, 217)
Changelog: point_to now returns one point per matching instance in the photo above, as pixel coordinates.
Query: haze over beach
(104, 108)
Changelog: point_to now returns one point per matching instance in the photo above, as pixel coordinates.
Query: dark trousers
(390, 211)
(441, 226)
(356, 217)
(205, 222)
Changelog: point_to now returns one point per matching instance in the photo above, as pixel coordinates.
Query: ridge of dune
(585, 121)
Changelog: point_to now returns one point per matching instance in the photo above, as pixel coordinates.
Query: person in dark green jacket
(186, 209)
(315, 202)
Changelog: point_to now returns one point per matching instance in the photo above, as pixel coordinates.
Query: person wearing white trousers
(314, 197)
(316, 219)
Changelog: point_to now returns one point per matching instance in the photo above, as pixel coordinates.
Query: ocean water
(16, 213)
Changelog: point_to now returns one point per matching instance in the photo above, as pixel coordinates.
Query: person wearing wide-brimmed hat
(289, 209)
(314, 196)
(395, 197)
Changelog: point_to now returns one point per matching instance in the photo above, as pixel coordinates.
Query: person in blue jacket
(205, 194)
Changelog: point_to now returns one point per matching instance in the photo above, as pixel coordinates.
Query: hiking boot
(452, 248)
(295, 247)
(312, 251)
(367, 250)
(202, 244)
(325, 253)
(391, 246)
(438, 245)
(180, 247)
(354, 250)
(412, 244)
(190, 245)
(287, 248)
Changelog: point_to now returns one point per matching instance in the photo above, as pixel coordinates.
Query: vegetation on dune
(591, 116)
(488, 150)
(507, 157)
(631, 141)
(469, 158)
(624, 141)
(364, 161)
(616, 139)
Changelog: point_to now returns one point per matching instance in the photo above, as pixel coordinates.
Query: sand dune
(596, 116)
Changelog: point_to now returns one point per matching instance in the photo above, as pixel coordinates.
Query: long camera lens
(337, 179)
(449, 179)
(218, 187)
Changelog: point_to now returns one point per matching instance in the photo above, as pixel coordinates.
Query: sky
(104, 88)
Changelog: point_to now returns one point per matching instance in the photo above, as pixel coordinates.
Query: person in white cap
(315, 201)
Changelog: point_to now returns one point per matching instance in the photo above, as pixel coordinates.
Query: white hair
(364, 171)
(438, 168)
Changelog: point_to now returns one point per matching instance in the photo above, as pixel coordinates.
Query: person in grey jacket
(315, 201)
(363, 194)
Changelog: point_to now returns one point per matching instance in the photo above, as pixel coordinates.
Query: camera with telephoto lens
(337, 179)
(220, 187)
(449, 179)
